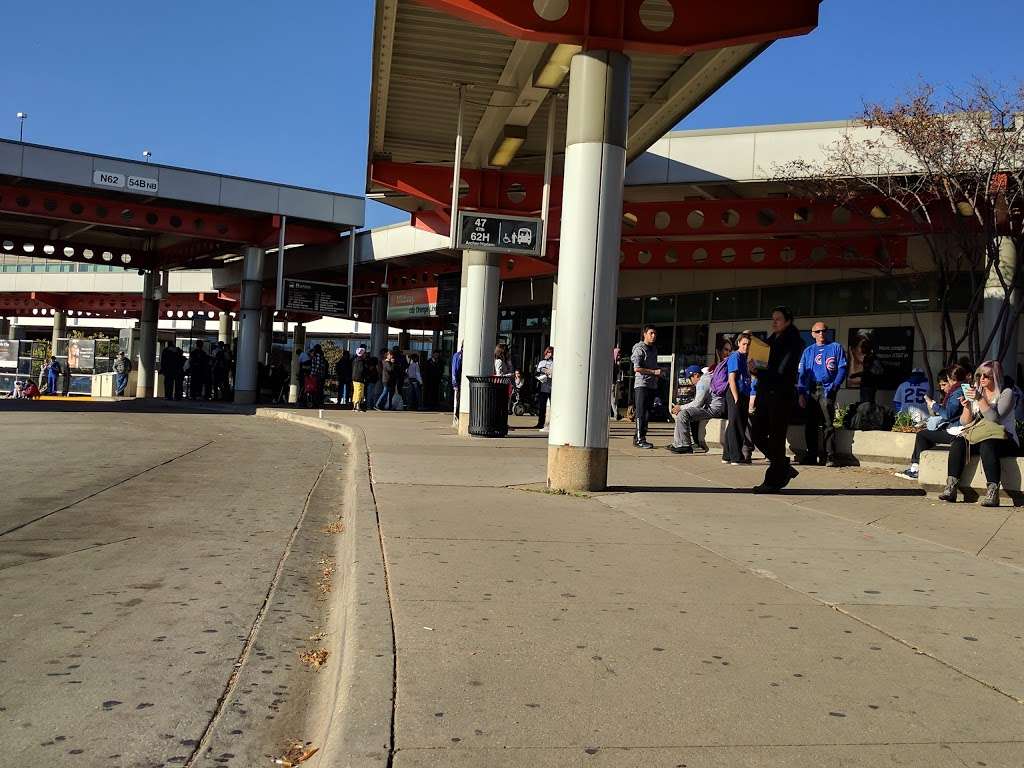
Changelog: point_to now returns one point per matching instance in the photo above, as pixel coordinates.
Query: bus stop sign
(493, 232)
(316, 298)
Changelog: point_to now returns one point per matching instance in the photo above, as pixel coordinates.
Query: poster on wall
(81, 353)
(8, 353)
(880, 357)
(412, 303)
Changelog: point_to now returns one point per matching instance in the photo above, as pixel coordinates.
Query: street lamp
(21, 129)
(147, 154)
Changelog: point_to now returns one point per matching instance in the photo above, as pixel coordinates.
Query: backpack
(720, 378)
(869, 417)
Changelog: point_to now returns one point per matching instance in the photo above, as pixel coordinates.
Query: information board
(316, 298)
(412, 302)
(8, 353)
(492, 232)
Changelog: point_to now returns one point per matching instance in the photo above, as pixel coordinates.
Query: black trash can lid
(489, 379)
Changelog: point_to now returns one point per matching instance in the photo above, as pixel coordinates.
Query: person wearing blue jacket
(821, 373)
(941, 418)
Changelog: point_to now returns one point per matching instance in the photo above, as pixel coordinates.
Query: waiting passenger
(910, 396)
(122, 367)
(943, 420)
(705, 406)
(739, 445)
(989, 429)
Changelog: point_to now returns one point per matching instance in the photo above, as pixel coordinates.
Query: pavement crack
(243, 656)
(110, 487)
(995, 533)
(65, 554)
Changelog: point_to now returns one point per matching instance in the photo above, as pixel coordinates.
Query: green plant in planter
(840, 418)
(904, 422)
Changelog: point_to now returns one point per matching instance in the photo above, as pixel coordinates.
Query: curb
(355, 717)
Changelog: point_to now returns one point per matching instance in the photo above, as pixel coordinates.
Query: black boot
(949, 494)
(991, 498)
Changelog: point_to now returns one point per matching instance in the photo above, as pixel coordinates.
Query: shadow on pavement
(74, 405)
(900, 492)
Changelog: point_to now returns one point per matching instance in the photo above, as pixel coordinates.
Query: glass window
(691, 345)
(734, 305)
(898, 294)
(796, 297)
(852, 298)
(630, 312)
(660, 309)
(692, 307)
(961, 291)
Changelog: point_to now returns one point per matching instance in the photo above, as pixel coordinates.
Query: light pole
(147, 154)
(21, 128)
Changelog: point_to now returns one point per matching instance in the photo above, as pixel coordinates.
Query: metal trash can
(488, 406)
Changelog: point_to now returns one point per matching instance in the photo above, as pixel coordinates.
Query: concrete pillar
(266, 334)
(482, 278)
(378, 325)
(404, 340)
(224, 328)
(1006, 266)
(145, 378)
(460, 337)
(12, 329)
(298, 345)
(554, 310)
(60, 324)
(5, 328)
(588, 270)
(246, 387)
(435, 341)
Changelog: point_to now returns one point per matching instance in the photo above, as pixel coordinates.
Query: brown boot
(991, 498)
(949, 494)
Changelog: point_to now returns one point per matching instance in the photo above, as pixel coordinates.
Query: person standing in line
(773, 394)
(431, 375)
(502, 366)
(198, 372)
(170, 366)
(389, 378)
(456, 367)
(318, 371)
(53, 371)
(545, 371)
(646, 374)
(822, 372)
(359, 380)
(343, 373)
(415, 379)
(122, 367)
(738, 441)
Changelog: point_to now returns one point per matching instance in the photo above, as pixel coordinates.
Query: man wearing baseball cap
(705, 406)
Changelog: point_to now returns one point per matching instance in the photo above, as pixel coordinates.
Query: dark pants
(120, 383)
(819, 429)
(929, 438)
(991, 452)
(738, 441)
(769, 424)
(642, 400)
(542, 408)
(172, 386)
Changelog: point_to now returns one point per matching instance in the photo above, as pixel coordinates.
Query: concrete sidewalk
(680, 620)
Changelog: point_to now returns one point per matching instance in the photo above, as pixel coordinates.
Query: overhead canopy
(512, 63)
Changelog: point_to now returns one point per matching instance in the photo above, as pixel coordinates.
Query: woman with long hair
(990, 430)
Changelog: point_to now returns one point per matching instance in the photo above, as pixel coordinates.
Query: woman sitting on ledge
(943, 418)
(989, 430)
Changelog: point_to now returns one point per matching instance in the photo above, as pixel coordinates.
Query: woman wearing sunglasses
(990, 431)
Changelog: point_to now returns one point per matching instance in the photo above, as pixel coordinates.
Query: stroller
(521, 402)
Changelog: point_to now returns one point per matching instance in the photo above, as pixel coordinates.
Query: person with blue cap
(705, 406)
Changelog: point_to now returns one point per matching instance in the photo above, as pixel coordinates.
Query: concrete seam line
(110, 487)
(243, 657)
(364, 734)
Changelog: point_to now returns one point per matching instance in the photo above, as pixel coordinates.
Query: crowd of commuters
(199, 375)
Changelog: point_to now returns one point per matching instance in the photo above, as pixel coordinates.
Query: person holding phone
(943, 421)
(990, 430)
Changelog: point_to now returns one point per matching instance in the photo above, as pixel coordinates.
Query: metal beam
(75, 251)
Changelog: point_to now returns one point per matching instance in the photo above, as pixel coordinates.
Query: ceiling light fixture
(512, 138)
(553, 72)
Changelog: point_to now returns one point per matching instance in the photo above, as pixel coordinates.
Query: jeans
(415, 395)
(991, 451)
(821, 416)
(542, 408)
(388, 394)
(120, 383)
(643, 397)
(738, 442)
(929, 438)
(51, 384)
(688, 420)
(344, 392)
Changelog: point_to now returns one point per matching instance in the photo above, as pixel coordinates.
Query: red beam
(695, 25)
(793, 253)
(75, 251)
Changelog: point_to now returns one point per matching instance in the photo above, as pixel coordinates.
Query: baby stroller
(521, 402)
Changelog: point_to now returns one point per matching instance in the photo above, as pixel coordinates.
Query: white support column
(993, 304)
(298, 345)
(588, 270)
(266, 334)
(460, 339)
(249, 327)
(145, 378)
(378, 325)
(224, 328)
(60, 323)
(483, 274)
(554, 310)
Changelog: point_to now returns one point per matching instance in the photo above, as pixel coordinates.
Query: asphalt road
(137, 553)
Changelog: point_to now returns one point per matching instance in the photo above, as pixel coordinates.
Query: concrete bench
(932, 475)
(881, 447)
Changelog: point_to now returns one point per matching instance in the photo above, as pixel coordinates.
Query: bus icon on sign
(521, 236)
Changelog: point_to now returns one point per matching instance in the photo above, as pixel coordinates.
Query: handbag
(983, 430)
(311, 384)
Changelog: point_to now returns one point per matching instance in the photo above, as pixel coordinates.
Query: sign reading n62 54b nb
(493, 232)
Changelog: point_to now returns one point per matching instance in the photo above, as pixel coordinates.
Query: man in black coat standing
(773, 398)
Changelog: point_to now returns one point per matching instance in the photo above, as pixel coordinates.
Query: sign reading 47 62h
(495, 232)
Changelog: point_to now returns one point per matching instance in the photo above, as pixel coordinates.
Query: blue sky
(280, 91)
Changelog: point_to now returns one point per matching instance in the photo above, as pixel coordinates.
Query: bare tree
(954, 171)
